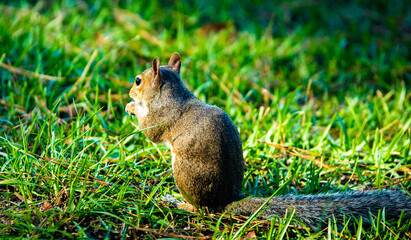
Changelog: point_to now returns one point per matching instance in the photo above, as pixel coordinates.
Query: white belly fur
(173, 155)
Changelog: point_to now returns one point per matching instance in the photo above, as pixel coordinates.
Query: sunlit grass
(319, 111)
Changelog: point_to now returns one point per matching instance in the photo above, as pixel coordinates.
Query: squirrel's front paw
(130, 108)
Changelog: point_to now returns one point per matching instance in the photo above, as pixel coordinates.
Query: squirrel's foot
(175, 203)
(187, 207)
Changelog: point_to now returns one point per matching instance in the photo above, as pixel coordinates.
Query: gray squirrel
(207, 157)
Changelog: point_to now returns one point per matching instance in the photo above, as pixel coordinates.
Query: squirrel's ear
(157, 79)
(175, 62)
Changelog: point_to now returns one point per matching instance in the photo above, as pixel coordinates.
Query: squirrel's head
(147, 83)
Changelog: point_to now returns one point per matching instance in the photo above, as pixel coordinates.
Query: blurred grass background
(319, 91)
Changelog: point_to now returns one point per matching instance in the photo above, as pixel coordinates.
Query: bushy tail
(315, 210)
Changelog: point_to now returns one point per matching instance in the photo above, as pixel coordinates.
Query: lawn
(319, 91)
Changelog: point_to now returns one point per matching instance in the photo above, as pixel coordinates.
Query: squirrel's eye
(138, 81)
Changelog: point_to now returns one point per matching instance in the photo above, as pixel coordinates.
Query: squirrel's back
(209, 165)
(315, 210)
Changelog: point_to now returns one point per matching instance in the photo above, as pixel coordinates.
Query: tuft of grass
(319, 91)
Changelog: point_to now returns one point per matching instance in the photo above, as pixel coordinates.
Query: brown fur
(208, 160)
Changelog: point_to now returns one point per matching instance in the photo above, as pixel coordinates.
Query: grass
(319, 92)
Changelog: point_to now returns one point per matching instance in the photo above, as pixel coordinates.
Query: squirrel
(207, 157)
